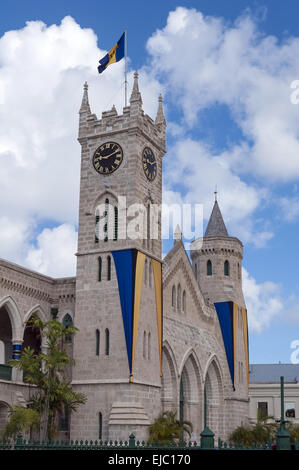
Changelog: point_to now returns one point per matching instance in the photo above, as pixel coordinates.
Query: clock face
(107, 158)
(149, 164)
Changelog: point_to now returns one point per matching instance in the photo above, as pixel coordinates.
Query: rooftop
(271, 373)
(216, 226)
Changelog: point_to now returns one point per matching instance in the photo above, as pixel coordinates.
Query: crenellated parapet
(133, 119)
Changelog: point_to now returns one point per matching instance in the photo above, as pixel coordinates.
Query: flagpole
(126, 82)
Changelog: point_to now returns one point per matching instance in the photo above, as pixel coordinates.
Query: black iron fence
(207, 442)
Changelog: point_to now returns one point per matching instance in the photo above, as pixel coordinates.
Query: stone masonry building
(153, 335)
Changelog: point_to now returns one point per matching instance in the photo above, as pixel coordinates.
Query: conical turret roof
(216, 226)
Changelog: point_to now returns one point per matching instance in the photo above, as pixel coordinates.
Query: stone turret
(218, 262)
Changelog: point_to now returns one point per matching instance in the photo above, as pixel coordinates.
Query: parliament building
(153, 334)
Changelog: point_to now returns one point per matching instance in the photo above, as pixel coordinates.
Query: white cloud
(195, 170)
(204, 61)
(289, 208)
(14, 234)
(263, 302)
(55, 252)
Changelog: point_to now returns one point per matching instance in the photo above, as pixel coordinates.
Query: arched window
(108, 268)
(63, 419)
(107, 341)
(226, 268)
(115, 223)
(209, 268)
(195, 270)
(184, 302)
(97, 342)
(100, 426)
(67, 321)
(97, 227)
(149, 346)
(106, 220)
(99, 268)
(239, 271)
(179, 298)
(144, 345)
(173, 298)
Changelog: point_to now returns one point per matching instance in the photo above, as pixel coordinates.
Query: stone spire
(85, 108)
(216, 226)
(84, 114)
(135, 95)
(177, 234)
(160, 118)
(135, 100)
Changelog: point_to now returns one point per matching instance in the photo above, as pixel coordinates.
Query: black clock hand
(101, 157)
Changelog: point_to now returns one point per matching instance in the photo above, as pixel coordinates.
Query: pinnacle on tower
(136, 95)
(177, 234)
(216, 226)
(160, 118)
(85, 103)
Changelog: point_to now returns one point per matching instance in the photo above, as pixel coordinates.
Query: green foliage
(53, 392)
(21, 419)
(168, 428)
(293, 430)
(264, 430)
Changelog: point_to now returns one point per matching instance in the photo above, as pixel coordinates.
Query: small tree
(168, 428)
(53, 393)
(21, 419)
(264, 430)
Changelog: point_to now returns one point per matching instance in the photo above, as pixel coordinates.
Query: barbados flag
(114, 55)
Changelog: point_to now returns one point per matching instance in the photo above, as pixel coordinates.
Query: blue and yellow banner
(114, 55)
(129, 265)
(227, 313)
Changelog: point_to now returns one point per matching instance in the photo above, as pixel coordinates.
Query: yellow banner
(138, 287)
(246, 346)
(157, 270)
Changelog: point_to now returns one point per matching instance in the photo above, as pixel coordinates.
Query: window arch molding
(209, 268)
(173, 297)
(226, 268)
(184, 301)
(107, 342)
(179, 298)
(106, 207)
(67, 320)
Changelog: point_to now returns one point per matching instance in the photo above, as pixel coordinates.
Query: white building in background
(264, 391)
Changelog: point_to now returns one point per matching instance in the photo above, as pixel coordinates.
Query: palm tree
(168, 428)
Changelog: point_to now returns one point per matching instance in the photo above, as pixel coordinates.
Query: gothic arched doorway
(190, 395)
(6, 348)
(213, 400)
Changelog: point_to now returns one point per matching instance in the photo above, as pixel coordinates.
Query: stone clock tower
(118, 365)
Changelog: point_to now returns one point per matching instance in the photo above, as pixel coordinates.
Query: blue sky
(225, 71)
